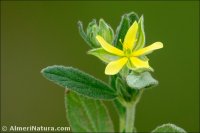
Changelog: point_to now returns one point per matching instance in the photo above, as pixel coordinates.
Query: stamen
(120, 40)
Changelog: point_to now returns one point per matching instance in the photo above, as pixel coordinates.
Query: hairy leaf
(103, 55)
(92, 32)
(87, 115)
(83, 34)
(168, 128)
(140, 81)
(126, 22)
(132, 17)
(121, 31)
(120, 108)
(106, 31)
(112, 80)
(89, 27)
(79, 82)
(141, 34)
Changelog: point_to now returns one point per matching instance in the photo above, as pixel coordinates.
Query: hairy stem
(130, 118)
(130, 114)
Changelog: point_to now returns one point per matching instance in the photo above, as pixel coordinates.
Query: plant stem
(130, 118)
(130, 114)
(122, 124)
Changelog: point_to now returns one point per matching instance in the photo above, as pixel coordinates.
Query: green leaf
(90, 25)
(122, 89)
(79, 82)
(83, 34)
(92, 32)
(120, 108)
(87, 115)
(132, 17)
(141, 34)
(121, 31)
(168, 128)
(126, 22)
(141, 80)
(112, 80)
(106, 31)
(103, 55)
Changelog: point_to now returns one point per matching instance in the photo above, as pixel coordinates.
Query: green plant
(129, 75)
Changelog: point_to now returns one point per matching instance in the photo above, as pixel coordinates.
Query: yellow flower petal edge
(130, 37)
(148, 49)
(115, 66)
(108, 47)
(138, 63)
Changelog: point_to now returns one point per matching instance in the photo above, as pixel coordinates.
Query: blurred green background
(38, 34)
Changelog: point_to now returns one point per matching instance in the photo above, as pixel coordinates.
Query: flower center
(127, 52)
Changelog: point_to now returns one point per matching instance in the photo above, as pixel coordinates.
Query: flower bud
(93, 29)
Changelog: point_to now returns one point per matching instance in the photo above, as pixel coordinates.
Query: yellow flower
(129, 55)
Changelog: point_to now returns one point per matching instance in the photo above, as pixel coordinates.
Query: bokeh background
(38, 34)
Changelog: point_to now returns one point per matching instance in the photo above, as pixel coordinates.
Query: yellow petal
(108, 47)
(138, 63)
(130, 37)
(148, 49)
(115, 66)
